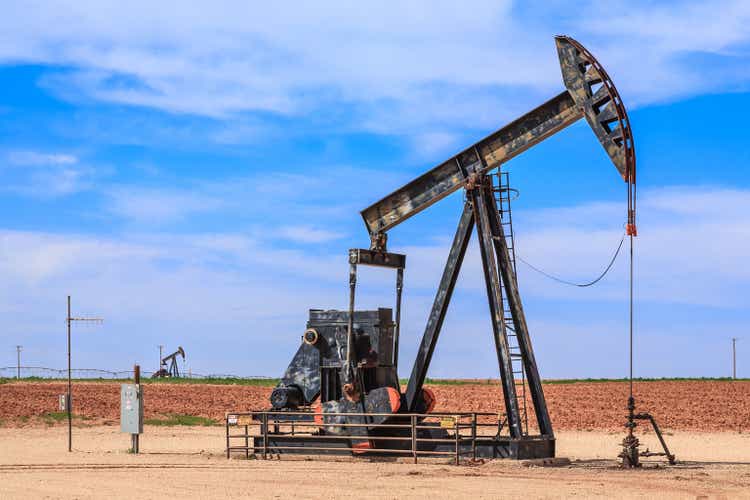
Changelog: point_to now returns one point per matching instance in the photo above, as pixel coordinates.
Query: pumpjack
(172, 370)
(345, 371)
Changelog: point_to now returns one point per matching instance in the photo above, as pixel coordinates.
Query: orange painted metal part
(363, 447)
(318, 413)
(395, 399)
(429, 398)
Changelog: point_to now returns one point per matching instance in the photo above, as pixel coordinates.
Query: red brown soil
(708, 406)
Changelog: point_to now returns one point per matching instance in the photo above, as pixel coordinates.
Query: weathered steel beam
(590, 93)
(594, 92)
(439, 307)
(485, 235)
(446, 178)
(519, 318)
(372, 258)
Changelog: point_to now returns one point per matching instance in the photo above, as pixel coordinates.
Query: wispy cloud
(393, 67)
(307, 234)
(36, 159)
(159, 206)
(691, 247)
(47, 174)
(268, 199)
(252, 294)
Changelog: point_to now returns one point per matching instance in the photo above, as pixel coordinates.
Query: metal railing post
(226, 422)
(265, 435)
(474, 436)
(455, 429)
(414, 437)
(247, 444)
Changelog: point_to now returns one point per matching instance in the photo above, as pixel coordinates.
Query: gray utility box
(64, 402)
(131, 409)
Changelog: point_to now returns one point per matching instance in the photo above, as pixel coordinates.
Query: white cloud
(307, 234)
(434, 66)
(33, 158)
(433, 144)
(47, 175)
(255, 199)
(159, 206)
(239, 302)
(691, 248)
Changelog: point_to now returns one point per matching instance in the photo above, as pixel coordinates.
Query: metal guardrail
(460, 428)
(95, 373)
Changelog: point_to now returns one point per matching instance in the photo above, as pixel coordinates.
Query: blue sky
(194, 174)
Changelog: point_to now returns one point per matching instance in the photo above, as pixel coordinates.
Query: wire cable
(631, 316)
(570, 283)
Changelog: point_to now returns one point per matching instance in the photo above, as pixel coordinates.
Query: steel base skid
(459, 436)
(502, 447)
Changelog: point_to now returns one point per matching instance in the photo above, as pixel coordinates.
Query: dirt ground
(706, 424)
(179, 462)
(705, 406)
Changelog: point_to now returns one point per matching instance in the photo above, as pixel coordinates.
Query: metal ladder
(504, 194)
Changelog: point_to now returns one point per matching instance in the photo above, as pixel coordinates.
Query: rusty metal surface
(590, 93)
(355, 365)
(455, 435)
(520, 328)
(376, 258)
(446, 178)
(594, 92)
(494, 298)
(315, 370)
(373, 409)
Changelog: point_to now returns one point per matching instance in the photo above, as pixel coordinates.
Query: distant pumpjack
(172, 370)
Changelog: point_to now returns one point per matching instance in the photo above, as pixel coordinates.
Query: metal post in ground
(69, 398)
(135, 438)
(455, 429)
(474, 435)
(226, 424)
(414, 437)
(18, 362)
(247, 444)
(265, 435)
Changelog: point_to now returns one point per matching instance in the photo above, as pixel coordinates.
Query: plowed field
(707, 406)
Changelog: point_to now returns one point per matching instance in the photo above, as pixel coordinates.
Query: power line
(570, 283)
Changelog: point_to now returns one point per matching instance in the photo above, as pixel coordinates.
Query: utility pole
(69, 399)
(734, 358)
(18, 363)
(158, 365)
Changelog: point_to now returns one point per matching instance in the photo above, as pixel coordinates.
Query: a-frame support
(481, 208)
(519, 318)
(440, 307)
